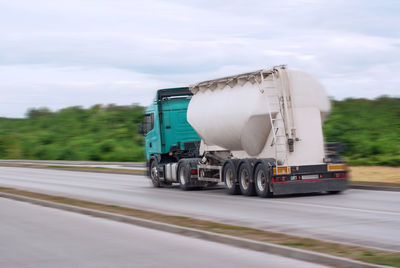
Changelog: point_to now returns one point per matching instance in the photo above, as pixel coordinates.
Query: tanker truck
(258, 133)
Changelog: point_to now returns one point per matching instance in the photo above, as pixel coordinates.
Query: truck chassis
(250, 176)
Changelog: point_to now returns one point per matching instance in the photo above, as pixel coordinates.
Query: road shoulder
(312, 250)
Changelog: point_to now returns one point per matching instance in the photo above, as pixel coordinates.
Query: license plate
(309, 177)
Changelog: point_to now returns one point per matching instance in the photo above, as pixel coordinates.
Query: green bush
(370, 129)
(74, 133)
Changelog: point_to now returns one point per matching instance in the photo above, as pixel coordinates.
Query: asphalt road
(362, 217)
(34, 236)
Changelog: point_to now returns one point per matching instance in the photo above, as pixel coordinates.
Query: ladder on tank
(276, 102)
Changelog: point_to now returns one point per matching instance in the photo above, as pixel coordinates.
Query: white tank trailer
(274, 113)
(261, 133)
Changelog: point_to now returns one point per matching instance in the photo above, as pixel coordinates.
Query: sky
(58, 54)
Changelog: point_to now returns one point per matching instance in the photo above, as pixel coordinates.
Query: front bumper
(303, 186)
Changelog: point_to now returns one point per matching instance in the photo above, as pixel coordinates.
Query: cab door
(152, 135)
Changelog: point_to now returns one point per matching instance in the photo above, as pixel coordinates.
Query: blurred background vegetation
(370, 130)
(100, 133)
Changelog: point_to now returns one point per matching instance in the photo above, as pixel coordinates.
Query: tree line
(370, 130)
(99, 133)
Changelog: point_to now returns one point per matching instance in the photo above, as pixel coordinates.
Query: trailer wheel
(154, 175)
(184, 175)
(262, 181)
(229, 177)
(246, 180)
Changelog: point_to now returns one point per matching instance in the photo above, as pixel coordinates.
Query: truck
(257, 133)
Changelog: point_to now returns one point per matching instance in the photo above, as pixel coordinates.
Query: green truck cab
(168, 135)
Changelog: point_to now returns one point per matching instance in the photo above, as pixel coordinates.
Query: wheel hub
(261, 181)
(229, 179)
(244, 179)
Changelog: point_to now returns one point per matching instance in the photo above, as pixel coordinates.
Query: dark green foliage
(98, 133)
(32, 113)
(370, 129)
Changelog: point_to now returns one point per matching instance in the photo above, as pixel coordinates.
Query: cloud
(61, 53)
(23, 86)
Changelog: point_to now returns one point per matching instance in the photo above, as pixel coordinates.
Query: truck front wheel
(262, 181)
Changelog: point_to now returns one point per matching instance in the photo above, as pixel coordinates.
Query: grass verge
(337, 249)
(79, 168)
(375, 175)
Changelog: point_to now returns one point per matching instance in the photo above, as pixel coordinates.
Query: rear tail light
(193, 172)
(280, 178)
(339, 175)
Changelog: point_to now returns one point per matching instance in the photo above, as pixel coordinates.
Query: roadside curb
(375, 187)
(284, 251)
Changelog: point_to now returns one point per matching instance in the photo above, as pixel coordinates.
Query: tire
(229, 177)
(184, 176)
(262, 181)
(154, 175)
(246, 180)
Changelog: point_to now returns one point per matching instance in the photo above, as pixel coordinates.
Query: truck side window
(148, 123)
